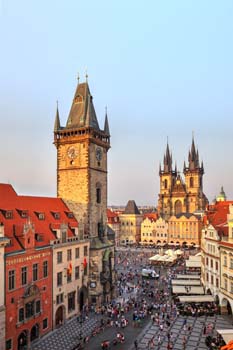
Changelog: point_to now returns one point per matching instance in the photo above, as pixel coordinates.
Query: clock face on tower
(72, 152)
(98, 154)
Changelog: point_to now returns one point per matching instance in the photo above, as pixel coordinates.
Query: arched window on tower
(191, 182)
(201, 182)
(98, 193)
(165, 183)
(178, 207)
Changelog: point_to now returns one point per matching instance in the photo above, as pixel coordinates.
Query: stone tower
(167, 181)
(82, 183)
(193, 173)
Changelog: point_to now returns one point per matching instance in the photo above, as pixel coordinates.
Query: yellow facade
(154, 231)
(130, 228)
(184, 229)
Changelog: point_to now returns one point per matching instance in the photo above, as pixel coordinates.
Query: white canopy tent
(154, 258)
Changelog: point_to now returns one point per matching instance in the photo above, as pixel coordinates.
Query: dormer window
(24, 214)
(40, 215)
(70, 215)
(56, 215)
(9, 214)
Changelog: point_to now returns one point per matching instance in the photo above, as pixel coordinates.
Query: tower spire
(106, 125)
(57, 124)
(167, 159)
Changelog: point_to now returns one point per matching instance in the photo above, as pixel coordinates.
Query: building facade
(82, 149)
(210, 266)
(46, 266)
(114, 224)
(217, 253)
(3, 242)
(130, 221)
(177, 195)
(154, 230)
(184, 229)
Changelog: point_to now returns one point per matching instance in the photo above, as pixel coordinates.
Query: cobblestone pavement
(67, 336)
(195, 337)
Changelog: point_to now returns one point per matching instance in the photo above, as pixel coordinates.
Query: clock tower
(82, 149)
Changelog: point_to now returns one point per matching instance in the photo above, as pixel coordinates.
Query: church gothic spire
(167, 161)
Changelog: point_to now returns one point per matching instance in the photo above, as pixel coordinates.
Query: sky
(163, 68)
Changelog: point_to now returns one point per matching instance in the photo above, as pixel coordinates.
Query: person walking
(136, 344)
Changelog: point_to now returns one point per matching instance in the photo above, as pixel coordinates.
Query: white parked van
(149, 273)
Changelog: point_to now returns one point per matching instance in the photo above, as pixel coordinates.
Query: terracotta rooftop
(45, 213)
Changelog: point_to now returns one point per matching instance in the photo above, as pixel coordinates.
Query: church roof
(131, 208)
(82, 112)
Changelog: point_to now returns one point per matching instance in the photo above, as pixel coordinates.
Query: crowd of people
(198, 309)
(139, 299)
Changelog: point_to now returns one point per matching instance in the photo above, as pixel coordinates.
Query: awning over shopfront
(196, 299)
(186, 282)
(190, 263)
(188, 277)
(190, 290)
(227, 334)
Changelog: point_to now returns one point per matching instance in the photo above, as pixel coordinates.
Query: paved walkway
(195, 338)
(67, 336)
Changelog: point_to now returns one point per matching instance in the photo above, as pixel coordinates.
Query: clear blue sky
(163, 68)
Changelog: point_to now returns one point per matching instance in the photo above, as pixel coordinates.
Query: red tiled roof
(111, 214)
(151, 216)
(216, 215)
(33, 206)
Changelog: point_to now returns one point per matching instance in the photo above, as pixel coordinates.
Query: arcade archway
(60, 314)
(34, 332)
(23, 340)
(82, 299)
(226, 307)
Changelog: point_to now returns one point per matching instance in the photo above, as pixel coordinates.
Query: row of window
(8, 214)
(24, 274)
(212, 280)
(155, 234)
(69, 275)
(183, 236)
(71, 300)
(31, 309)
(226, 286)
(211, 248)
(225, 262)
(69, 254)
(211, 263)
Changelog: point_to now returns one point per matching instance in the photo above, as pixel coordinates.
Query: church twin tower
(176, 196)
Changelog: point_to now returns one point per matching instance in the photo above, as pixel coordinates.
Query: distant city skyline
(163, 69)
